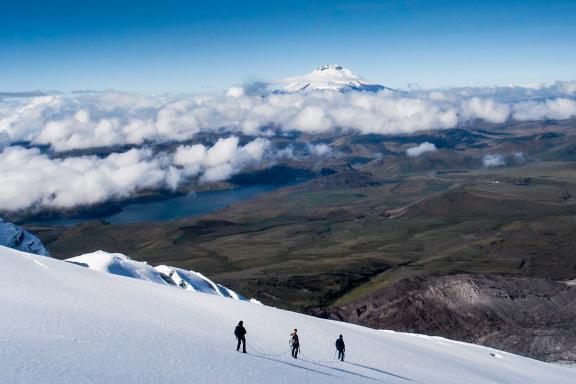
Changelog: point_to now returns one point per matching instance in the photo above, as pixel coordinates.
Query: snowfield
(64, 323)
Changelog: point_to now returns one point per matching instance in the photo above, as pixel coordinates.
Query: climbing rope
(305, 357)
(328, 360)
(310, 359)
(267, 354)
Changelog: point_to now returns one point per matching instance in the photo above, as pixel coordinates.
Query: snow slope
(330, 77)
(63, 323)
(15, 237)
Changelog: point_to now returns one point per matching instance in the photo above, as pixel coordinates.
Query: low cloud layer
(31, 179)
(77, 121)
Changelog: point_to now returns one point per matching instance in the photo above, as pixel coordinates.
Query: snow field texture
(63, 323)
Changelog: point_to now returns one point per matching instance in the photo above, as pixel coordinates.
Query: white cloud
(191, 158)
(223, 159)
(493, 160)
(31, 179)
(484, 109)
(421, 149)
(555, 109)
(311, 119)
(235, 92)
(74, 121)
(319, 149)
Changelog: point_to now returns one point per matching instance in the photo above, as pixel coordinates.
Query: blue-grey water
(194, 204)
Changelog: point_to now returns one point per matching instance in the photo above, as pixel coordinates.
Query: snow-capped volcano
(330, 77)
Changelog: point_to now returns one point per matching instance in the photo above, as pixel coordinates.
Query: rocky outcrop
(532, 317)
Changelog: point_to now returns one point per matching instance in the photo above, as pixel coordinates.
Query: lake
(193, 204)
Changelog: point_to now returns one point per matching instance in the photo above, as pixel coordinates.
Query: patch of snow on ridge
(120, 264)
(12, 236)
(195, 281)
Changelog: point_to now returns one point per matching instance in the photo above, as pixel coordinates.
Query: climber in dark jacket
(340, 347)
(295, 343)
(240, 333)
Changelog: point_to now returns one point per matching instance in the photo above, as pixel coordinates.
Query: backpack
(294, 342)
(239, 331)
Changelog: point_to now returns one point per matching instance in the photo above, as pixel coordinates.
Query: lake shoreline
(160, 207)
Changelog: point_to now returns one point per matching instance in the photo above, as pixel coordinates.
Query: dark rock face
(532, 317)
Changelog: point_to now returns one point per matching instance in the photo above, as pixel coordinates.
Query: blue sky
(190, 46)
